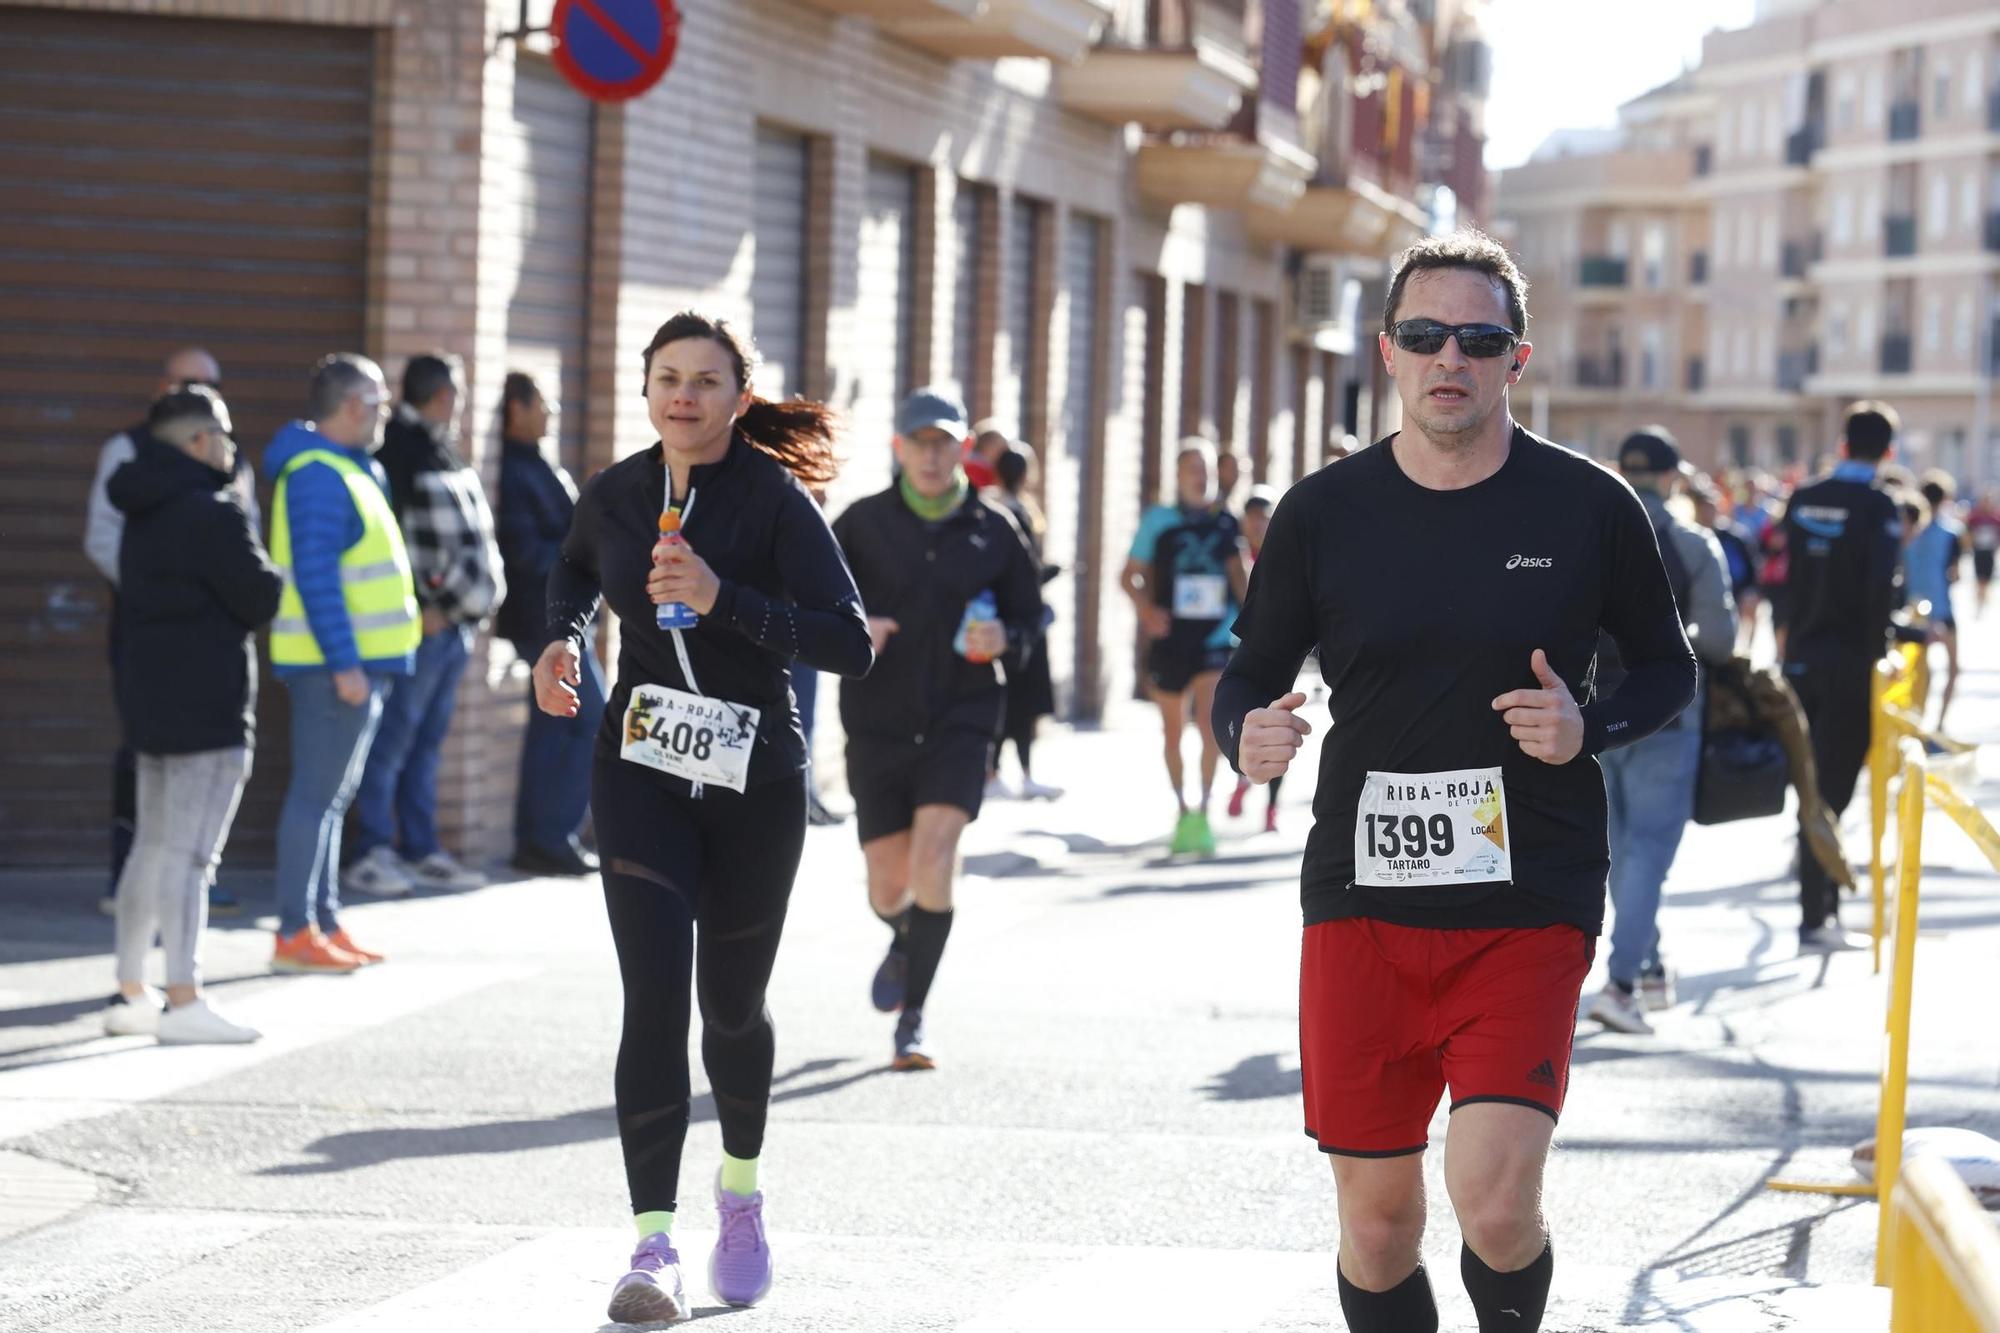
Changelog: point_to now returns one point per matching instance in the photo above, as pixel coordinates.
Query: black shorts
(1982, 565)
(1172, 663)
(889, 779)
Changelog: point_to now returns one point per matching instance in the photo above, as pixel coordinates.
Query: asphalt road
(1112, 1141)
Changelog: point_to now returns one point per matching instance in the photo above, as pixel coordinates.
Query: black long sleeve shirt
(1843, 540)
(1427, 605)
(922, 575)
(785, 593)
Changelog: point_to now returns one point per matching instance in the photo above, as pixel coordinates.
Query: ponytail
(797, 433)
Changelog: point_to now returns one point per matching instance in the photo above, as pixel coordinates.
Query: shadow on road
(1254, 1078)
(373, 1147)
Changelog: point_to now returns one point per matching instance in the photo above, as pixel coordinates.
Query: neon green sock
(649, 1223)
(739, 1175)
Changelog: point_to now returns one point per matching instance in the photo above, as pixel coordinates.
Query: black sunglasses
(1425, 336)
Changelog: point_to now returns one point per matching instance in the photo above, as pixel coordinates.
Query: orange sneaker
(310, 951)
(345, 943)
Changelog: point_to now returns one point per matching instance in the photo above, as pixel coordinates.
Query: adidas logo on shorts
(1543, 1074)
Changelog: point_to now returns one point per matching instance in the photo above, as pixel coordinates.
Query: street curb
(34, 1193)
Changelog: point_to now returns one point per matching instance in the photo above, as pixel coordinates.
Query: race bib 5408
(1426, 829)
(689, 735)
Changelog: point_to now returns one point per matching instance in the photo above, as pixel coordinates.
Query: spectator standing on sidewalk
(537, 499)
(1983, 523)
(1930, 571)
(1031, 693)
(1842, 536)
(104, 526)
(1649, 784)
(196, 585)
(455, 568)
(1257, 509)
(347, 629)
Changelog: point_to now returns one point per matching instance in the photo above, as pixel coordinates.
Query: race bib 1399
(1429, 829)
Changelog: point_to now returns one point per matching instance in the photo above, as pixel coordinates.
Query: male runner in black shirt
(950, 589)
(1844, 537)
(1454, 579)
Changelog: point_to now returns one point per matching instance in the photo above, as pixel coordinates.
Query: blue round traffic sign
(612, 50)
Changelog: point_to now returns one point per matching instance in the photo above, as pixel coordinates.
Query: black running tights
(696, 891)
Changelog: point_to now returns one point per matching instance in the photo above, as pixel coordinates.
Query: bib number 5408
(1410, 835)
(681, 738)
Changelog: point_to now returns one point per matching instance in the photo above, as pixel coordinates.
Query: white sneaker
(198, 1025)
(1032, 790)
(998, 790)
(1833, 939)
(133, 1018)
(1656, 990)
(380, 874)
(1620, 1011)
(439, 871)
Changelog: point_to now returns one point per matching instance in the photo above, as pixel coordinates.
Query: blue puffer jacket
(324, 524)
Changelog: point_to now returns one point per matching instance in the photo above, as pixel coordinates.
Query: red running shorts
(1390, 1016)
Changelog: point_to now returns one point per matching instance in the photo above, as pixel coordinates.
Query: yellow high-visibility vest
(374, 574)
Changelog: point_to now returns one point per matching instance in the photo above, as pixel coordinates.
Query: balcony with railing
(1058, 30)
(1795, 366)
(1899, 235)
(1601, 372)
(1802, 143)
(1602, 271)
(1895, 353)
(1186, 67)
(1906, 120)
(1258, 164)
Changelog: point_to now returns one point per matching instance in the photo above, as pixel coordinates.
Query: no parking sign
(612, 50)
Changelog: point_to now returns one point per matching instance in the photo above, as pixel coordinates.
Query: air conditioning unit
(1326, 304)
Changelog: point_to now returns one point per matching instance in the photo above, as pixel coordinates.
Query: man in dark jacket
(537, 498)
(195, 583)
(455, 567)
(1843, 537)
(950, 589)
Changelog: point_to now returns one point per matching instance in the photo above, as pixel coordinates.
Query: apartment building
(1842, 162)
(1110, 222)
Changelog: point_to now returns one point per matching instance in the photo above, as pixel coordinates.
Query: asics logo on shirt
(1530, 562)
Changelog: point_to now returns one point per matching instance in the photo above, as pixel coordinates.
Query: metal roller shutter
(547, 317)
(965, 246)
(778, 272)
(1083, 245)
(885, 289)
(1024, 244)
(163, 182)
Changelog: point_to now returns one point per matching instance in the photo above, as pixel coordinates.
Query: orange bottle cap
(670, 521)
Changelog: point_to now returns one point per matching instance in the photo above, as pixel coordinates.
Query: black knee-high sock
(1508, 1302)
(1407, 1307)
(899, 930)
(925, 943)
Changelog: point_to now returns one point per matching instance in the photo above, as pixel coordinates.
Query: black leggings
(724, 863)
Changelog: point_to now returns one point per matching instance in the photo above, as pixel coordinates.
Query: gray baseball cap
(932, 405)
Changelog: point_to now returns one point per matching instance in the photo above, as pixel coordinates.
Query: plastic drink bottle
(982, 607)
(672, 615)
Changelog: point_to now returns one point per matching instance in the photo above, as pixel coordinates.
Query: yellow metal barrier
(1896, 703)
(1889, 1108)
(1945, 1255)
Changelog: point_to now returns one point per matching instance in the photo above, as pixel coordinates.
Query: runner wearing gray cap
(950, 590)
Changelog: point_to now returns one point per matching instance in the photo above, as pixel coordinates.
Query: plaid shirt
(454, 555)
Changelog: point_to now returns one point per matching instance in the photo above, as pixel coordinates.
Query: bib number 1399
(1410, 835)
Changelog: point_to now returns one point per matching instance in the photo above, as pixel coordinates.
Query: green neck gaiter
(931, 510)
